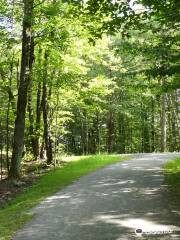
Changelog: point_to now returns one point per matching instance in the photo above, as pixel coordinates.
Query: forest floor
(9, 190)
(32, 171)
(110, 203)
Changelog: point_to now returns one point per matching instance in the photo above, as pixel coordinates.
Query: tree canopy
(84, 77)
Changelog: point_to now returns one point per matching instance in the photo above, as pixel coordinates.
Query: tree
(88, 91)
(27, 58)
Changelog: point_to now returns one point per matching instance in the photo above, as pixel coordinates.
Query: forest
(87, 77)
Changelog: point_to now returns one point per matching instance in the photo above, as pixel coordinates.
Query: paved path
(109, 204)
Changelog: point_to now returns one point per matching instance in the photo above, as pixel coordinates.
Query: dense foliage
(83, 77)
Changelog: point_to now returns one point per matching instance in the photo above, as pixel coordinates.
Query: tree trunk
(1, 150)
(110, 129)
(98, 132)
(7, 114)
(18, 140)
(38, 121)
(30, 108)
(83, 136)
(31, 122)
(163, 122)
(121, 133)
(87, 133)
(152, 126)
(146, 147)
(47, 137)
(38, 152)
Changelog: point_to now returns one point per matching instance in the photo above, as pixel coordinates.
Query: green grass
(17, 212)
(172, 178)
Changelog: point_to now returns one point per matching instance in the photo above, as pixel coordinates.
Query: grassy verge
(172, 178)
(16, 213)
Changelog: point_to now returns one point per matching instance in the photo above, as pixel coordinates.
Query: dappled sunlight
(53, 201)
(127, 223)
(124, 164)
(146, 225)
(112, 202)
(127, 190)
(50, 199)
(124, 222)
(150, 191)
(134, 223)
(147, 169)
(50, 202)
(100, 184)
(139, 184)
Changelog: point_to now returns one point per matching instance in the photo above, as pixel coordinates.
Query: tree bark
(110, 129)
(7, 114)
(31, 123)
(121, 133)
(18, 140)
(47, 137)
(38, 121)
(152, 125)
(1, 150)
(30, 108)
(163, 122)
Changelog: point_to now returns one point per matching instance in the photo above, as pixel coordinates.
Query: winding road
(110, 204)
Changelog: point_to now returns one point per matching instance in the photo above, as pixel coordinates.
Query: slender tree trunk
(48, 145)
(152, 126)
(110, 129)
(146, 147)
(7, 138)
(18, 140)
(30, 107)
(7, 115)
(17, 74)
(83, 137)
(41, 153)
(98, 134)
(47, 137)
(1, 150)
(127, 142)
(121, 133)
(169, 126)
(176, 110)
(38, 152)
(87, 133)
(10, 101)
(1, 161)
(56, 130)
(38, 122)
(31, 122)
(163, 122)
(175, 121)
(95, 135)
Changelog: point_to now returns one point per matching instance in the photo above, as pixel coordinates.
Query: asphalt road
(110, 204)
